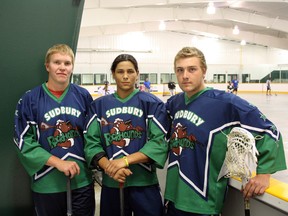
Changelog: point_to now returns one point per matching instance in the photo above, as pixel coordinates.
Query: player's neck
(56, 93)
(56, 90)
(56, 86)
(124, 93)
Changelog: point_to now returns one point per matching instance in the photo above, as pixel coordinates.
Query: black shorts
(142, 201)
(55, 204)
(172, 211)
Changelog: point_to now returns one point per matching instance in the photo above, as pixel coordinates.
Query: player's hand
(69, 168)
(256, 186)
(114, 165)
(121, 175)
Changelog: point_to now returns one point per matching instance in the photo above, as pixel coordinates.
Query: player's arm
(69, 168)
(30, 152)
(114, 168)
(33, 156)
(92, 141)
(111, 167)
(271, 159)
(269, 144)
(156, 148)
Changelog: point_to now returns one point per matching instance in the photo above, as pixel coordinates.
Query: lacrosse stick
(97, 177)
(122, 206)
(240, 160)
(69, 199)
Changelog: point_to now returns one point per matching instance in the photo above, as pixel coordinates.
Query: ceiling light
(211, 9)
(243, 43)
(236, 30)
(162, 26)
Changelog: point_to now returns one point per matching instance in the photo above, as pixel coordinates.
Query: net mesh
(240, 160)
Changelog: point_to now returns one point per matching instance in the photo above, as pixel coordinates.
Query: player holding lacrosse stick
(49, 124)
(125, 137)
(241, 158)
(201, 116)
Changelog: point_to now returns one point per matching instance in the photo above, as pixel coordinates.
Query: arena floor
(275, 109)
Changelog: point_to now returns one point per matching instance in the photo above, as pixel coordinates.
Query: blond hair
(187, 52)
(59, 48)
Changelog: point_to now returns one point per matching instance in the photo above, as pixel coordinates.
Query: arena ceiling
(262, 23)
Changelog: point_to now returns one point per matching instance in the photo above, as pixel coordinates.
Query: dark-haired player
(125, 137)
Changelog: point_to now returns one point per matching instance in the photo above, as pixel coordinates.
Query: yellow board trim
(277, 188)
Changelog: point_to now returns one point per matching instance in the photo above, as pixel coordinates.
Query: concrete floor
(275, 108)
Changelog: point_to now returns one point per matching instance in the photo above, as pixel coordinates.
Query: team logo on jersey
(180, 140)
(187, 153)
(122, 132)
(63, 136)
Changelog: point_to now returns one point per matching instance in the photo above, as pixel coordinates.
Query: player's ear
(47, 66)
(204, 74)
(113, 75)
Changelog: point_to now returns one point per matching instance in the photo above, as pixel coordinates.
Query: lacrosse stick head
(240, 160)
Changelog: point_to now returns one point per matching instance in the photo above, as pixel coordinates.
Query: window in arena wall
(167, 77)
(76, 79)
(245, 78)
(87, 79)
(143, 77)
(152, 78)
(99, 79)
(219, 78)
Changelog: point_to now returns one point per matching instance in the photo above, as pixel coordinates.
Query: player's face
(125, 76)
(59, 69)
(190, 75)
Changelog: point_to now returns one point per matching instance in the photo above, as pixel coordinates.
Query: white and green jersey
(198, 147)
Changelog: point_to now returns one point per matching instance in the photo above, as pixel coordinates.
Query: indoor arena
(62, 112)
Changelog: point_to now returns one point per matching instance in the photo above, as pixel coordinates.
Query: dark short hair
(124, 57)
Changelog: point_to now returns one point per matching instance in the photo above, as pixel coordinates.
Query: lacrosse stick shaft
(69, 198)
(247, 207)
(122, 205)
(246, 201)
